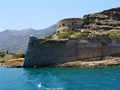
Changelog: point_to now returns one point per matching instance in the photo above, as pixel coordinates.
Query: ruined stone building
(45, 52)
(69, 24)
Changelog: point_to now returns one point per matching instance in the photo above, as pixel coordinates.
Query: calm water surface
(59, 79)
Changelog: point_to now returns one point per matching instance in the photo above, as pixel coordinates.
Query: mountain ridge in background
(17, 40)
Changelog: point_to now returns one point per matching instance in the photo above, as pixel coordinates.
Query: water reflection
(44, 78)
(59, 79)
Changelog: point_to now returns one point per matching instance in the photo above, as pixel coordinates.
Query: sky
(39, 14)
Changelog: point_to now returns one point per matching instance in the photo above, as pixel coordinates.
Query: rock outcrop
(106, 20)
(42, 52)
(13, 63)
(69, 24)
(94, 43)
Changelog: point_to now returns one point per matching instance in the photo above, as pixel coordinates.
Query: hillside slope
(16, 41)
(104, 21)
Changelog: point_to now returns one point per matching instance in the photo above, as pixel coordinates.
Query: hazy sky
(38, 14)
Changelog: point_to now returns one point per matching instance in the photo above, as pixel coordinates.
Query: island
(89, 42)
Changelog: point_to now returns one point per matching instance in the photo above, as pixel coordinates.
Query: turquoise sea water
(59, 79)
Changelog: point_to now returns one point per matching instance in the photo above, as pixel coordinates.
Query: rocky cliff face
(106, 20)
(95, 24)
(87, 45)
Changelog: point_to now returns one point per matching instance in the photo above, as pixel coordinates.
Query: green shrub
(114, 25)
(30, 43)
(3, 59)
(70, 32)
(88, 21)
(23, 55)
(98, 23)
(82, 35)
(65, 35)
(44, 42)
(113, 35)
(3, 53)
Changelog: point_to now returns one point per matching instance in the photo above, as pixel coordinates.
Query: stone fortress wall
(43, 52)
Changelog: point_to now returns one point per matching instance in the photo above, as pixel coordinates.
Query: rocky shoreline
(13, 63)
(93, 64)
(107, 62)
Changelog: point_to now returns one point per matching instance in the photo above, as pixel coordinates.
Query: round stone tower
(69, 24)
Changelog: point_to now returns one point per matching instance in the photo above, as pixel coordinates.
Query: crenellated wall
(43, 52)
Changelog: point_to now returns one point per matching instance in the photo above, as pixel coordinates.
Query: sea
(59, 79)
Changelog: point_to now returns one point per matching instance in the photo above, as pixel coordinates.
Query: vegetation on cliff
(66, 34)
(87, 21)
(3, 53)
(8, 56)
(113, 35)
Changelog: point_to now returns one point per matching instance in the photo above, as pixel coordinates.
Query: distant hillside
(16, 41)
